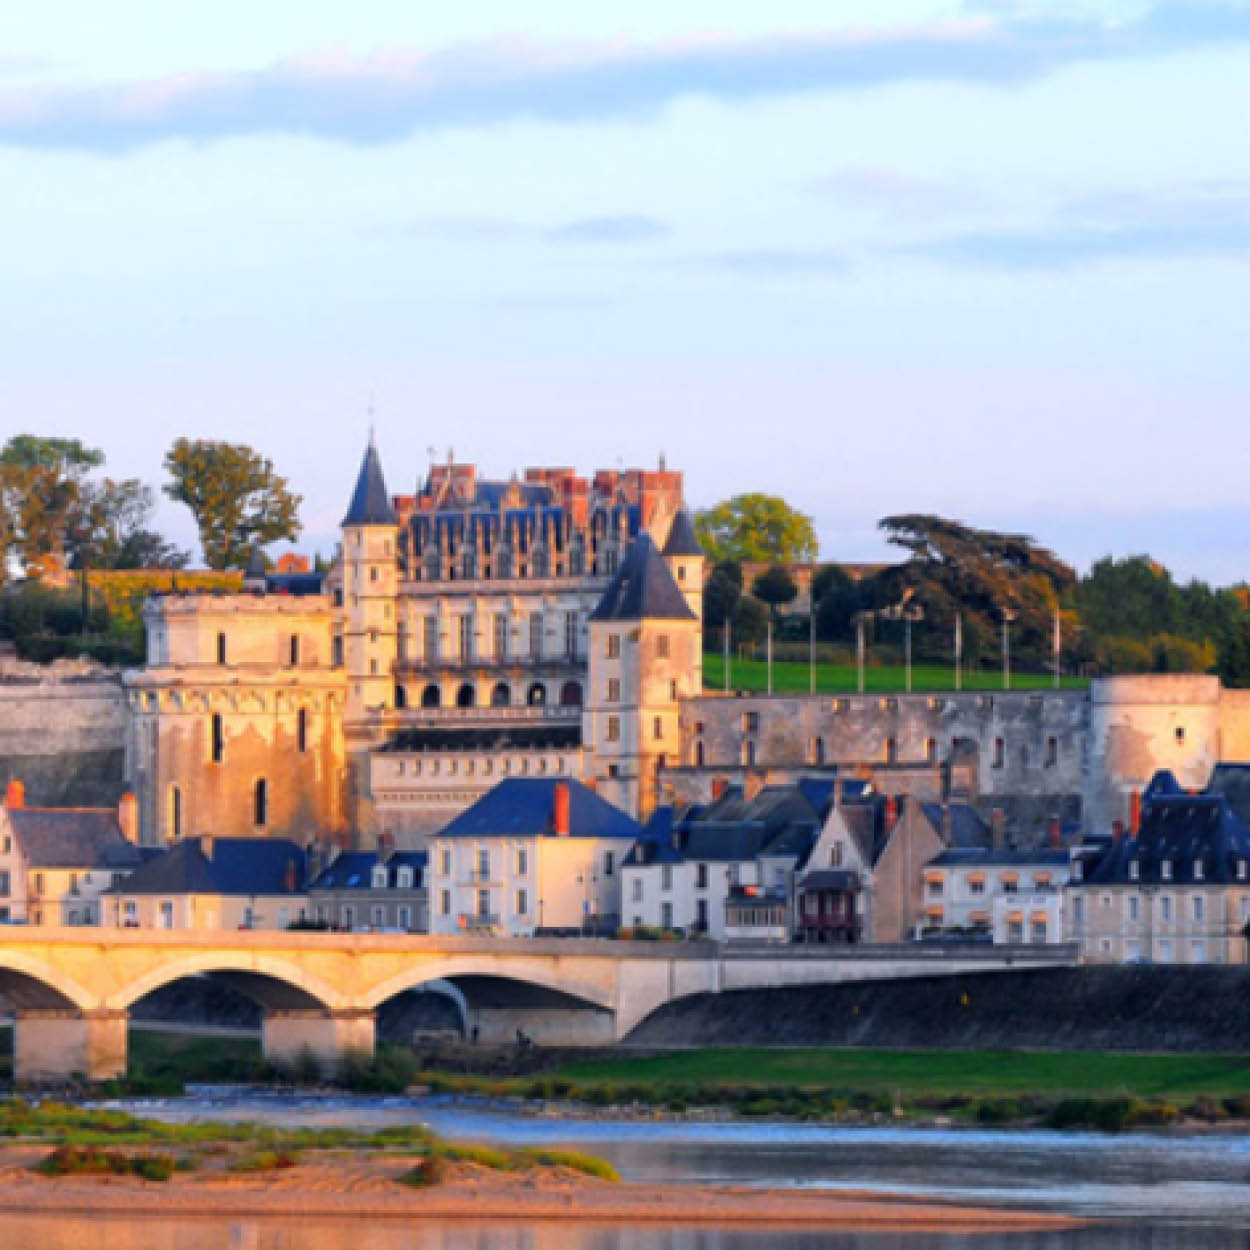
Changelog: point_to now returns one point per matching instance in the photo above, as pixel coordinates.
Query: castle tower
(370, 648)
(684, 558)
(645, 657)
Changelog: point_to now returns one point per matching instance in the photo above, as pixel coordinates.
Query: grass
(792, 677)
(930, 1073)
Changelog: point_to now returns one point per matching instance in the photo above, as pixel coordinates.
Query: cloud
(1194, 221)
(625, 228)
(386, 97)
(896, 194)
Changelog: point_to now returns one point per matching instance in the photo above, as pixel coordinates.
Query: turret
(370, 533)
(255, 573)
(684, 558)
(645, 657)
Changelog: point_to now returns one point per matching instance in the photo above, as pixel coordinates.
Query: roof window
(1197, 870)
(1165, 869)
(1134, 870)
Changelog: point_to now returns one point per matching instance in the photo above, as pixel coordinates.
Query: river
(1147, 1190)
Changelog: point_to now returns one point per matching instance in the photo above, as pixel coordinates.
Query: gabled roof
(238, 866)
(72, 837)
(967, 829)
(1231, 781)
(523, 807)
(681, 540)
(353, 870)
(370, 504)
(643, 589)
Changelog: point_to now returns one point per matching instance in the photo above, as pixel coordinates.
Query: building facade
(371, 892)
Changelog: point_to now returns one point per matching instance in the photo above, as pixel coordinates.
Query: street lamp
(1009, 615)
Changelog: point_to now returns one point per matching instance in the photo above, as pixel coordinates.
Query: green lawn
(791, 677)
(937, 1072)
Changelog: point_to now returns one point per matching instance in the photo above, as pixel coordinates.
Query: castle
(550, 626)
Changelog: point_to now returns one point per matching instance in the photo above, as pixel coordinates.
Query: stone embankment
(1105, 1008)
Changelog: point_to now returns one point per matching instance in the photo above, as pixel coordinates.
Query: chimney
(560, 801)
(1117, 830)
(752, 784)
(1054, 833)
(128, 817)
(206, 845)
(947, 831)
(1134, 812)
(998, 828)
(891, 812)
(289, 880)
(719, 786)
(15, 794)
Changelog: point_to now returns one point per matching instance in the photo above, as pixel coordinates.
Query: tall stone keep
(645, 657)
(370, 629)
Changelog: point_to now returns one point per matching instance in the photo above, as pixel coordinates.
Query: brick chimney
(560, 809)
(752, 784)
(1117, 830)
(719, 786)
(128, 816)
(891, 812)
(1134, 812)
(15, 794)
(1054, 833)
(206, 845)
(998, 828)
(289, 880)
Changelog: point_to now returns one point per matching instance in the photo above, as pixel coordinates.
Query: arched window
(301, 729)
(501, 695)
(175, 812)
(571, 694)
(430, 696)
(261, 802)
(219, 739)
(401, 697)
(466, 696)
(536, 696)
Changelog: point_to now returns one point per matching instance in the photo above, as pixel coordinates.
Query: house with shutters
(534, 855)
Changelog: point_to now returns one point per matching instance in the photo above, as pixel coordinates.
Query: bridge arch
(271, 981)
(31, 984)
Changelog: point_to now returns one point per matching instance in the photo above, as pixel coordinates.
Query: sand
(350, 1184)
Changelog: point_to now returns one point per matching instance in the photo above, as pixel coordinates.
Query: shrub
(97, 1161)
(429, 1171)
(591, 1165)
(265, 1161)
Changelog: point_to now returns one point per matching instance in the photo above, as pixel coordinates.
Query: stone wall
(63, 733)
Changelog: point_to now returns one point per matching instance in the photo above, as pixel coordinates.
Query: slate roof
(988, 857)
(353, 870)
(522, 807)
(295, 583)
(503, 738)
(72, 837)
(255, 570)
(967, 828)
(643, 589)
(1231, 781)
(239, 866)
(1184, 830)
(370, 504)
(681, 540)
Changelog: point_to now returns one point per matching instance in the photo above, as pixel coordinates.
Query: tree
(830, 579)
(720, 601)
(105, 521)
(756, 528)
(235, 497)
(750, 622)
(775, 587)
(41, 488)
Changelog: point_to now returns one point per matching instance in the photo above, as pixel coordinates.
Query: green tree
(1234, 660)
(750, 622)
(830, 579)
(109, 529)
(235, 497)
(41, 488)
(756, 528)
(720, 601)
(775, 587)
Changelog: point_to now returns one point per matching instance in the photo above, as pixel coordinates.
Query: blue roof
(370, 504)
(237, 866)
(523, 806)
(353, 870)
(643, 589)
(681, 540)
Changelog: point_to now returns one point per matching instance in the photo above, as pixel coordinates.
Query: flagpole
(811, 645)
(1057, 646)
(770, 652)
(959, 650)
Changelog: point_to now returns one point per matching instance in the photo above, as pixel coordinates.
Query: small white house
(531, 855)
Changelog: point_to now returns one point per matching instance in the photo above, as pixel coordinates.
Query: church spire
(370, 503)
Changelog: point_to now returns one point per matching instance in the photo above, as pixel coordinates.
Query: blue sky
(984, 259)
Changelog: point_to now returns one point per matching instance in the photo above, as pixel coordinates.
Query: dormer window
(1165, 869)
(403, 879)
(1134, 870)
(379, 877)
(1197, 870)
(1241, 870)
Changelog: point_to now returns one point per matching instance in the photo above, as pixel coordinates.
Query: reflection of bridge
(71, 989)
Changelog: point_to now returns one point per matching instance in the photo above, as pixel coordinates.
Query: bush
(591, 1165)
(266, 1161)
(97, 1161)
(430, 1171)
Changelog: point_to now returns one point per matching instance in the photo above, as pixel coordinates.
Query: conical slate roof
(255, 571)
(681, 540)
(643, 589)
(370, 504)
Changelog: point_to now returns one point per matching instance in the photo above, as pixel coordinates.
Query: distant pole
(725, 635)
(959, 651)
(859, 650)
(1057, 645)
(907, 653)
(1008, 617)
(811, 649)
(770, 652)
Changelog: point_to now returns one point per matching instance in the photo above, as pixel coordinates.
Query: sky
(985, 259)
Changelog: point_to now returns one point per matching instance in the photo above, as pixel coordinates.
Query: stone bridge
(71, 989)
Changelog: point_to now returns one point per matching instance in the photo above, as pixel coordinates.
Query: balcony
(477, 877)
(477, 922)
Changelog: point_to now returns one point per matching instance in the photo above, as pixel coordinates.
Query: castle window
(499, 636)
(1052, 752)
(748, 753)
(1180, 735)
(614, 646)
(698, 754)
(301, 729)
(218, 739)
(338, 597)
(536, 634)
(891, 750)
(681, 572)
(221, 648)
(431, 639)
(466, 696)
(336, 651)
(570, 635)
(750, 722)
(536, 696)
(672, 689)
(464, 630)
(430, 696)
(816, 751)
(571, 694)
(1000, 752)
(175, 812)
(661, 646)
(373, 573)
(294, 652)
(261, 802)
(657, 728)
(614, 689)
(614, 729)
(501, 695)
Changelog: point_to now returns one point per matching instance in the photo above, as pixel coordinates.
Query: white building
(533, 854)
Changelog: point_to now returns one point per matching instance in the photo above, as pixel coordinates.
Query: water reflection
(49, 1233)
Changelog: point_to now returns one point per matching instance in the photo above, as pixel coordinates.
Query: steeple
(370, 505)
(681, 540)
(643, 589)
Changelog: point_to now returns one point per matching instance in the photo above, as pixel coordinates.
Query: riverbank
(361, 1183)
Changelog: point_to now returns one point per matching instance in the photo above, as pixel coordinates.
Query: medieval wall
(62, 733)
